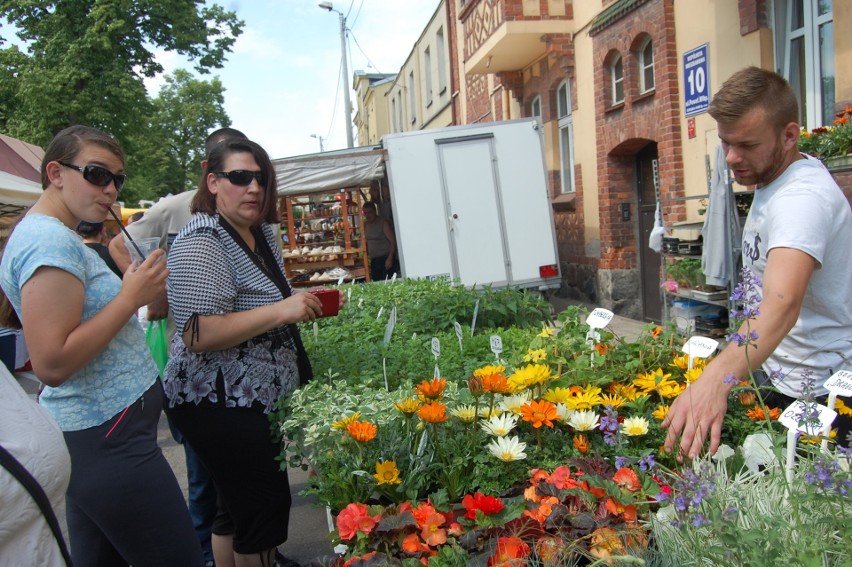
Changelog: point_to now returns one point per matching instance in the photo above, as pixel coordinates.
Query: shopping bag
(158, 341)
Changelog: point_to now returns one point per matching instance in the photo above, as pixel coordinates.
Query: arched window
(566, 136)
(645, 55)
(616, 77)
(535, 108)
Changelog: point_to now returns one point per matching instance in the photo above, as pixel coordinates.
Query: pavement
(309, 522)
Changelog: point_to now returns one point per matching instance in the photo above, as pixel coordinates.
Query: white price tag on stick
(496, 345)
(391, 324)
(840, 383)
(822, 417)
(700, 347)
(599, 318)
(436, 347)
(475, 313)
(458, 329)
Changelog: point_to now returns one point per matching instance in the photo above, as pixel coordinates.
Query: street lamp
(321, 141)
(347, 103)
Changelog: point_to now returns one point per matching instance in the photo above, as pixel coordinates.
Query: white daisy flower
(586, 420)
(634, 426)
(508, 449)
(500, 425)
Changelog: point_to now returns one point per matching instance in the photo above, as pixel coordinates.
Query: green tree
(168, 150)
(87, 60)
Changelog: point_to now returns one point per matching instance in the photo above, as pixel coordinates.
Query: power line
(362, 52)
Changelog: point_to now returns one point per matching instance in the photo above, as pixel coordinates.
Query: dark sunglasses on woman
(242, 177)
(97, 175)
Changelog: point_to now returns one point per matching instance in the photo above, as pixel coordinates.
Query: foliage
(687, 272)
(582, 512)
(829, 141)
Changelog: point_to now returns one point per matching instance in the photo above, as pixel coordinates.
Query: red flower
(627, 478)
(354, 519)
(421, 512)
(432, 532)
(561, 478)
(364, 557)
(486, 504)
(511, 551)
(412, 544)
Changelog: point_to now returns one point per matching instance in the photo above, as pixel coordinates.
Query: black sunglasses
(97, 175)
(242, 177)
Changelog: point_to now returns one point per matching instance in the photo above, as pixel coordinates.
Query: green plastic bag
(158, 341)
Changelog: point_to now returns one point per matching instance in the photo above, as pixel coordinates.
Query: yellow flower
(488, 370)
(465, 413)
(530, 375)
(661, 412)
(344, 423)
(692, 375)
(635, 426)
(535, 355)
(487, 413)
(546, 332)
(670, 389)
(407, 406)
(558, 395)
(816, 439)
(842, 408)
(585, 400)
(387, 473)
(612, 400)
(653, 381)
(626, 391)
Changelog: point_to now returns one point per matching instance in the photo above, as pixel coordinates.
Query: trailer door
(474, 210)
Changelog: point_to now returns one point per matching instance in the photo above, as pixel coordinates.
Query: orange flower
(545, 508)
(605, 543)
(656, 332)
(511, 551)
(601, 348)
(353, 519)
(618, 509)
(496, 383)
(432, 532)
(549, 550)
(626, 477)
(539, 412)
(581, 443)
(431, 389)
(362, 431)
(757, 414)
(434, 412)
(412, 544)
(747, 399)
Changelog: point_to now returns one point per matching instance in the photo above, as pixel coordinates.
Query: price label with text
(599, 318)
(840, 383)
(820, 417)
(496, 345)
(436, 347)
(700, 347)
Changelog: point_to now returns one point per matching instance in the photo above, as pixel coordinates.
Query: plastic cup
(145, 245)
(330, 299)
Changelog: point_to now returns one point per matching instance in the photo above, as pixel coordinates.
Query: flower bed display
(545, 453)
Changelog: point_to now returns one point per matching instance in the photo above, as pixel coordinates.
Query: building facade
(620, 88)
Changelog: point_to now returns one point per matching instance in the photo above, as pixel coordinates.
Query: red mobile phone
(330, 299)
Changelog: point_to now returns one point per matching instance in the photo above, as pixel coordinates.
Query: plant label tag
(349, 295)
(436, 347)
(475, 313)
(599, 318)
(496, 345)
(360, 302)
(391, 324)
(316, 332)
(340, 281)
(840, 383)
(393, 277)
(791, 416)
(458, 330)
(592, 337)
(437, 372)
(381, 310)
(700, 347)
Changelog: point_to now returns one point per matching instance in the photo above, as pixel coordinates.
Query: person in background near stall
(93, 235)
(797, 241)
(381, 243)
(237, 349)
(135, 217)
(124, 505)
(164, 220)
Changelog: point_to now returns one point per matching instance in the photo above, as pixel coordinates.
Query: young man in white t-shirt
(797, 240)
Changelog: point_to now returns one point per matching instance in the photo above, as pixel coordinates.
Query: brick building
(624, 120)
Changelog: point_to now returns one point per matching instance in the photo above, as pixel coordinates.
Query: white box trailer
(469, 202)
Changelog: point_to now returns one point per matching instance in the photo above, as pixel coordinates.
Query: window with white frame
(646, 66)
(535, 108)
(616, 79)
(566, 136)
(427, 67)
(412, 97)
(805, 46)
(442, 65)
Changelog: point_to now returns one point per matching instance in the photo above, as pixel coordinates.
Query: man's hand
(159, 308)
(695, 413)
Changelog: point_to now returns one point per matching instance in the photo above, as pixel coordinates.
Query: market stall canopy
(17, 194)
(329, 171)
(20, 158)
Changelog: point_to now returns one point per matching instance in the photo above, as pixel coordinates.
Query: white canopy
(328, 171)
(17, 193)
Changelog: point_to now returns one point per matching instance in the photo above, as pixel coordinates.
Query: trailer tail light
(548, 271)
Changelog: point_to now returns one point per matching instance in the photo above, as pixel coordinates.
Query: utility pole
(345, 70)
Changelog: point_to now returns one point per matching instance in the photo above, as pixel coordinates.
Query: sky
(282, 78)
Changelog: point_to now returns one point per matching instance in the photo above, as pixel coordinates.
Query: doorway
(647, 182)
